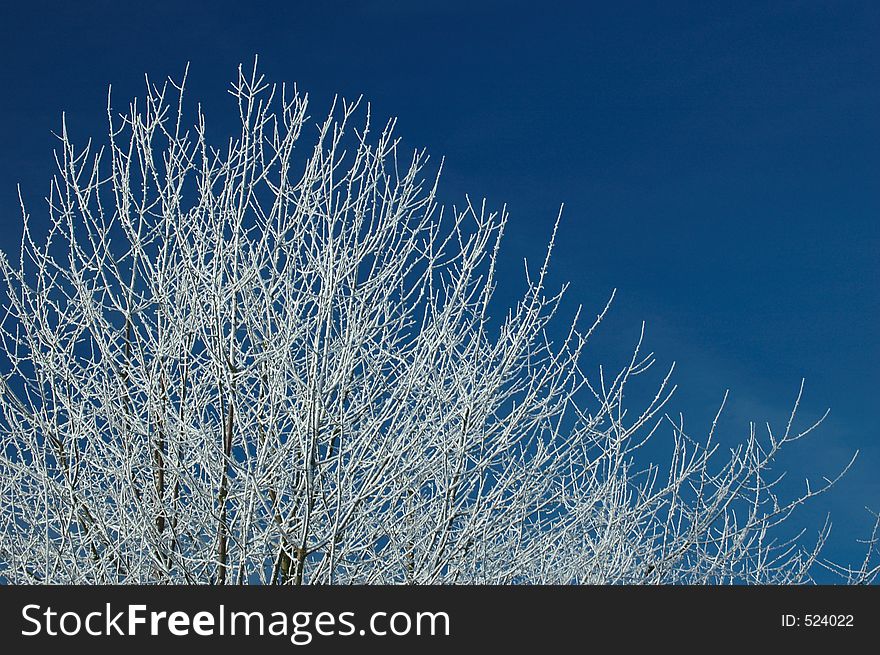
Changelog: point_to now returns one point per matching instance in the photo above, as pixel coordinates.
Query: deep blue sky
(719, 164)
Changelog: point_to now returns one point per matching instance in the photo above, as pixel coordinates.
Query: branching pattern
(257, 363)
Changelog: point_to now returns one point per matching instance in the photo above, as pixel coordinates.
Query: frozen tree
(277, 360)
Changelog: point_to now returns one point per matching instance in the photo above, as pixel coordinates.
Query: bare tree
(252, 363)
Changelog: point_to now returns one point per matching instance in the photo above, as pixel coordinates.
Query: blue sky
(719, 165)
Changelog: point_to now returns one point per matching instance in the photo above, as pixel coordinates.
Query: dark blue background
(719, 164)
